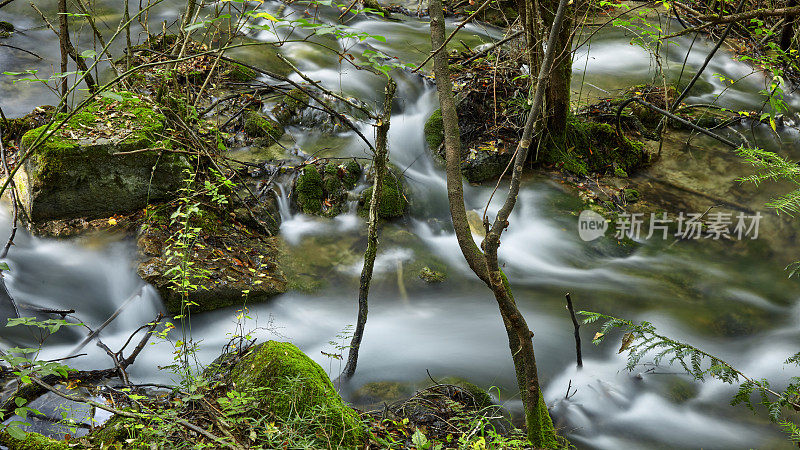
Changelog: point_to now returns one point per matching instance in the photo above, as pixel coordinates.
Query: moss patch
(393, 202)
(85, 169)
(33, 441)
(299, 388)
(321, 189)
(589, 147)
(434, 130)
(258, 126)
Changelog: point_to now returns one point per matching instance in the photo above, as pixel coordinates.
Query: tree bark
(558, 83)
(787, 34)
(485, 265)
(372, 232)
(63, 36)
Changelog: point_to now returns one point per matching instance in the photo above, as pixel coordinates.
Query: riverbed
(731, 300)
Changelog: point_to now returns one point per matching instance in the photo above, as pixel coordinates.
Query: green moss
(353, 173)
(393, 202)
(434, 130)
(60, 150)
(240, 73)
(256, 125)
(631, 195)
(309, 190)
(298, 388)
(588, 147)
(431, 276)
(116, 429)
(287, 110)
(618, 171)
(33, 441)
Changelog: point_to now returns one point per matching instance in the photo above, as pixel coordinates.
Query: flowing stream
(733, 302)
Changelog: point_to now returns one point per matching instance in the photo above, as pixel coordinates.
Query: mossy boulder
(393, 201)
(258, 126)
(586, 147)
(231, 262)
(6, 28)
(98, 164)
(477, 165)
(33, 441)
(289, 110)
(297, 388)
(322, 188)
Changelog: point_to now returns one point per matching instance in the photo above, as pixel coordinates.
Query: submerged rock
(99, 163)
(295, 387)
(6, 28)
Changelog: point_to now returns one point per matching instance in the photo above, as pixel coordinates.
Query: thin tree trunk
(452, 145)
(558, 84)
(372, 232)
(787, 34)
(63, 35)
(485, 265)
(65, 45)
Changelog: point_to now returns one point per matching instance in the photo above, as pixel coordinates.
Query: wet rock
(322, 188)
(431, 276)
(258, 126)
(289, 110)
(97, 164)
(393, 201)
(293, 387)
(6, 28)
(230, 262)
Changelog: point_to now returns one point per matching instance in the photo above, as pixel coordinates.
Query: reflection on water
(733, 302)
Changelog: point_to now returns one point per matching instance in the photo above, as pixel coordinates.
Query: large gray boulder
(106, 159)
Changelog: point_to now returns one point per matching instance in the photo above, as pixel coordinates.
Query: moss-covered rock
(289, 110)
(239, 73)
(589, 147)
(231, 264)
(33, 441)
(322, 189)
(6, 28)
(393, 201)
(258, 126)
(95, 166)
(297, 387)
(434, 130)
(431, 276)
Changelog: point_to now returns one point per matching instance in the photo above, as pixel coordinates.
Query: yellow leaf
(627, 340)
(112, 221)
(597, 336)
(267, 16)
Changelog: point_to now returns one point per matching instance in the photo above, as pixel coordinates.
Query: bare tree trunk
(558, 84)
(485, 265)
(379, 165)
(787, 34)
(63, 35)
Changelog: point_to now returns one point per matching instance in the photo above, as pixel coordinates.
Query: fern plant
(774, 167)
(642, 339)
